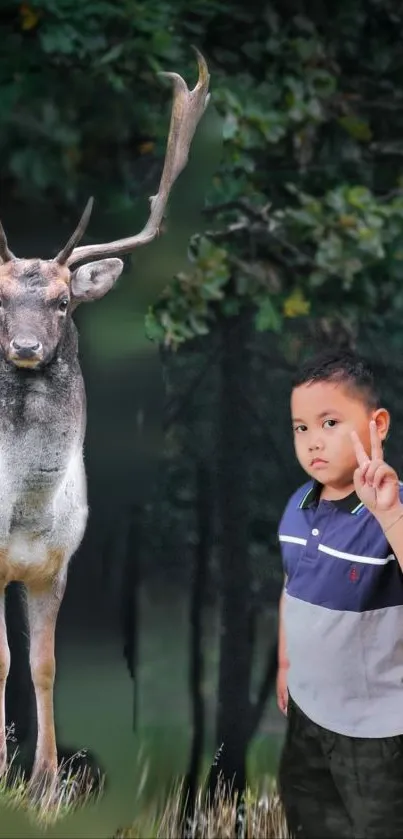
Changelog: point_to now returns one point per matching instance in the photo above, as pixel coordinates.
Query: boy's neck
(335, 493)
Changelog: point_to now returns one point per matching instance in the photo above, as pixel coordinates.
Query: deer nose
(26, 347)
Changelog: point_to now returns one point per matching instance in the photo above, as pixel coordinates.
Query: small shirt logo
(354, 575)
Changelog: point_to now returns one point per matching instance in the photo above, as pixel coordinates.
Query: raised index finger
(360, 452)
(376, 445)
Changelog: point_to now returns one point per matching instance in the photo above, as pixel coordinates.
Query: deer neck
(53, 395)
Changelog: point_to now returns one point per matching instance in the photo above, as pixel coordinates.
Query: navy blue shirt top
(343, 615)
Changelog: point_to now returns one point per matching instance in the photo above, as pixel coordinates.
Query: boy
(340, 676)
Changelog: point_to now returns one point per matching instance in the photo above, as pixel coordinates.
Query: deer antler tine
(187, 110)
(204, 76)
(64, 254)
(188, 107)
(5, 253)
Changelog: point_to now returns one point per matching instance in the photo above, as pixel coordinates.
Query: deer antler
(78, 234)
(187, 110)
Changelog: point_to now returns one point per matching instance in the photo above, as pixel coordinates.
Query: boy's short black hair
(340, 366)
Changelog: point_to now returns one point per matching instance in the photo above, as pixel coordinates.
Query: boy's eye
(299, 428)
(331, 423)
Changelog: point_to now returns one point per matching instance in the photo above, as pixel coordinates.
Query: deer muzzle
(25, 351)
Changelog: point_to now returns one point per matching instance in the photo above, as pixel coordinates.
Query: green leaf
(111, 55)
(267, 317)
(317, 278)
(230, 127)
(198, 326)
(154, 330)
(359, 196)
(357, 128)
(324, 83)
(231, 306)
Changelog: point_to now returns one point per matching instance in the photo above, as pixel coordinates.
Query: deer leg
(4, 669)
(43, 608)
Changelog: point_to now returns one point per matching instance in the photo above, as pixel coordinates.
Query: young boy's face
(323, 416)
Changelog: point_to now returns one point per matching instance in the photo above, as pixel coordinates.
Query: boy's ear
(382, 419)
(92, 281)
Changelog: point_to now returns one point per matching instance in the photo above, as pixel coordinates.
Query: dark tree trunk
(234, 708)
(130, 597)
(196, 658)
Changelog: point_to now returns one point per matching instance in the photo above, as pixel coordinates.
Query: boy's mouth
(317, 462)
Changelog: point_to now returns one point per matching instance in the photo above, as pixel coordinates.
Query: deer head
(37, 297)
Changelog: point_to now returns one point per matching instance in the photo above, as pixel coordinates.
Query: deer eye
(63, 304)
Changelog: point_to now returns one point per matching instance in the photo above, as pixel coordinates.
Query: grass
(156, 801)
(72, 790)
(259, 816)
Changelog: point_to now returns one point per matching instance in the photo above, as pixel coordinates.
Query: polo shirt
(342, 615)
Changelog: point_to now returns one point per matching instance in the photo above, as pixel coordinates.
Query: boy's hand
(375, 482)
(281, 689)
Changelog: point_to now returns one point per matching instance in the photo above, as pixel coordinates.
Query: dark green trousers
(333, 786)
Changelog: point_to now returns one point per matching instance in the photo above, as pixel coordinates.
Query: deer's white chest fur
(43, 496)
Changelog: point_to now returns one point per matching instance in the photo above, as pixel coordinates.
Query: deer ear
(90, 282)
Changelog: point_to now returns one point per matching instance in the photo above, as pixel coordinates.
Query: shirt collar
(350, 503)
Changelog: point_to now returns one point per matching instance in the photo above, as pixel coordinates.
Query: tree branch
(263, 224)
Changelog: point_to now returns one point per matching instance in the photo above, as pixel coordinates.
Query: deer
(43, 489)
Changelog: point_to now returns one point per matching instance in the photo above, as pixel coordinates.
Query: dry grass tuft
(72, 790)
(259, 817)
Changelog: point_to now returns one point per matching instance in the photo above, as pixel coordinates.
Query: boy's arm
(392, 526)
(281, 686)
(282, 653)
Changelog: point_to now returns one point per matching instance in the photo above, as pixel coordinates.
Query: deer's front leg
(43, 609)
(4, 669)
